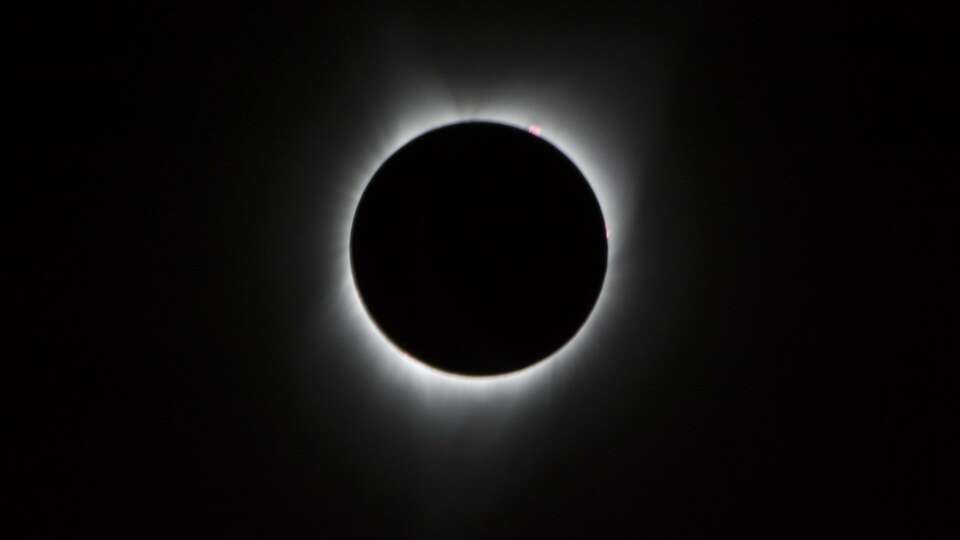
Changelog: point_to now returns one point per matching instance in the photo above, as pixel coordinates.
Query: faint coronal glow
(595, 145)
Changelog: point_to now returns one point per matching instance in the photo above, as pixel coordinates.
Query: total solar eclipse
(478, 248)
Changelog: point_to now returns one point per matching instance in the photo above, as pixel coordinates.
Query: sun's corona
(589, 148)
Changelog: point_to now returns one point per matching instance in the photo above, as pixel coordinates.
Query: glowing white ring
(612, 192)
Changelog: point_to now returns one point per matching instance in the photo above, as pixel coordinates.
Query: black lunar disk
(478, 248)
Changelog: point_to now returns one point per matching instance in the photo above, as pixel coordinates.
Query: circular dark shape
(478, 248)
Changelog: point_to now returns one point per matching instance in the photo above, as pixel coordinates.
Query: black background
(769, 374)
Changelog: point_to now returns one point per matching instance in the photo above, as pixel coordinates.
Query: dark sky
(191, 369)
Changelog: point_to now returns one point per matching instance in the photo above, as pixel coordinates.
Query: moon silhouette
(478, 248)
